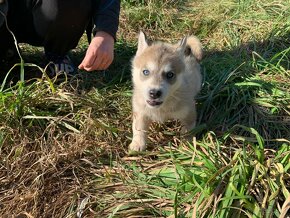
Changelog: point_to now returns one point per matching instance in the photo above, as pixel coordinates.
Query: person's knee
(61, 14)
(62, 31)
(71, 10)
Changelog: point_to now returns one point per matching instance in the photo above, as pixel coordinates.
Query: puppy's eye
(146, 72)
(170, 75)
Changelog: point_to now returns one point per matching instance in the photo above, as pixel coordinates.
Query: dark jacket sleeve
(106, 17)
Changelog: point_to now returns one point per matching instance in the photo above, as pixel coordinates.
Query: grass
(63, 145)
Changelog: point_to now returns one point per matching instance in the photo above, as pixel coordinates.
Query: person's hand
(100, 53)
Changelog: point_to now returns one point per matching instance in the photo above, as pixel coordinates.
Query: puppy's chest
(164, 114)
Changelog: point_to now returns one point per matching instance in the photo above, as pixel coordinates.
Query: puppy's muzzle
(155, 95)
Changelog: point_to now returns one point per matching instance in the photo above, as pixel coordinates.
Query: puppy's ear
(183, 46)
(142, 43)
(191, 46)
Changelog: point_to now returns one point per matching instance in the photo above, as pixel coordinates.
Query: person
(58, 25)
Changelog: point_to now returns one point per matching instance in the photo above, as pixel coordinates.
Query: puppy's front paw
(135, 146)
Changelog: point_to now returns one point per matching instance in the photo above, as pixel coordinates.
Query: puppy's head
(158, 69)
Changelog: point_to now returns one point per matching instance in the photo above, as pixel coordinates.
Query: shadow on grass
(29, 54)
(118, 72)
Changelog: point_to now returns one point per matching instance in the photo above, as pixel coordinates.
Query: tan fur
(178, 94)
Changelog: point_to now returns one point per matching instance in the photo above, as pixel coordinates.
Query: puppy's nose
(155, 93)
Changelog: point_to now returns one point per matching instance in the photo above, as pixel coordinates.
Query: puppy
(166, 78)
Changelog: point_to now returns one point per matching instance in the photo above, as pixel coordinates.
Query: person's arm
(107, 16)
(100, 53)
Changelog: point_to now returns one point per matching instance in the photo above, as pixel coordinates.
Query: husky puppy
(166, 78)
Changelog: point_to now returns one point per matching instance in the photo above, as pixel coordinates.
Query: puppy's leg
(140, 128)
(188, 123)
